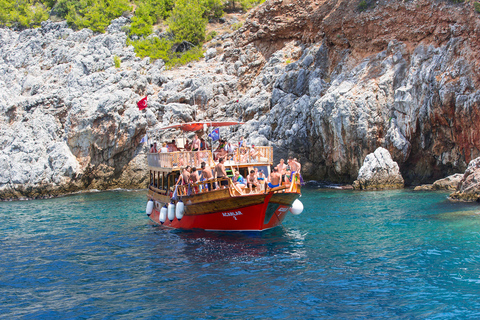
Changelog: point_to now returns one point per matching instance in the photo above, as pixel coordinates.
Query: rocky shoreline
(329, 95)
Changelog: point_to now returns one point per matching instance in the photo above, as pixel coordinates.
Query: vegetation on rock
(186, 20)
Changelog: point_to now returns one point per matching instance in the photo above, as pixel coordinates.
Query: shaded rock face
(469, 187)
(379, 172)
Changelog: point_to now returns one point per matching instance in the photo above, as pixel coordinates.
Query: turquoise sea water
(350, 255)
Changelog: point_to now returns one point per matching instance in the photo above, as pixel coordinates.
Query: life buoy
(179, 210)
(297, 207)
(149, 208)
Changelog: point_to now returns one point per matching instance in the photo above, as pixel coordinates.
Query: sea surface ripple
(349, 255)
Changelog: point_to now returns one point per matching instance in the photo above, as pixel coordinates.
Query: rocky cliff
(320, 80)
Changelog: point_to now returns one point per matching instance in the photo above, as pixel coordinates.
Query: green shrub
(22, 13)
(211, 35)
(157, 48)
(187, 21)
(237, 26)
(476, 5)
(117, 61)
(213, 8)
(362, 5)
(93, 14)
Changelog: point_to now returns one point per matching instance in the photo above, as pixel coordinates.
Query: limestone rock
(378, 172)
(469, 187)
(448, 183)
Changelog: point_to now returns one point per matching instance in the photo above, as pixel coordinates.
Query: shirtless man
(195, 143)
(282, 169)
(185, 176)
(274, 178)
(252, 181)
(206, 175)
(194, 178)
(220, 172)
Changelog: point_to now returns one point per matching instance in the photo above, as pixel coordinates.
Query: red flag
(142, 104)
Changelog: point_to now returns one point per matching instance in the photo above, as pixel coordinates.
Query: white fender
(179, 210)
(171, 211)
(163, 214)
(149, 207)
(297, 207)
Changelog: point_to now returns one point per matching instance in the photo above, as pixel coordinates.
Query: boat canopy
(197, 126)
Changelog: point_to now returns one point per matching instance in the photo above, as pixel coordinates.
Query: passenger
(274, 179)
(241, 143)
(243, 155)
(203, 144)
(282, 169)
(220, 151)
(194, 178)
(188, 146)
(184, 178)
(261, 179)
(195, 143)
(221, 173)
(253, 154)
(164, 149)
(153, 148)
(206, 175)
(239, 180)
(172, 147)
(252, 181)
(287, 178)
(296, 167)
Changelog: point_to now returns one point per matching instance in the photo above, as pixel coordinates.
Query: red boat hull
(256, 217)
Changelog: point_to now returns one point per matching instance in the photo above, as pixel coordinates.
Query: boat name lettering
(232, 214)
(283, 209)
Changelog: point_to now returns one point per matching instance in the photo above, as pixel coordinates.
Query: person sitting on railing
(206, 175)
(295, 166)
(282, 169)
(221, 173)
(239, 180)
(220, 151)
(243, 155)
(253, 154)
(274, 179)
(153, 148)
(184, 178)
(252, 181)
(261, 179)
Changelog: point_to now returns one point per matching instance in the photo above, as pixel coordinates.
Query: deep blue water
(349, 255)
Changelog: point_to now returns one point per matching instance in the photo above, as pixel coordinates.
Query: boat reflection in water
(199, 246)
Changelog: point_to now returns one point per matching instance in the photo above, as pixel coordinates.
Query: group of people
(166, 147)
(281, 174)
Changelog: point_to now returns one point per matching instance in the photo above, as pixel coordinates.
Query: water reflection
(207, 247)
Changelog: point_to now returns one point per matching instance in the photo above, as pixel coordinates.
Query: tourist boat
(209, 206)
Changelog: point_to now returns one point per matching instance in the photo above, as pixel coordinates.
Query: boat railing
(262, 155)
(178, 159)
